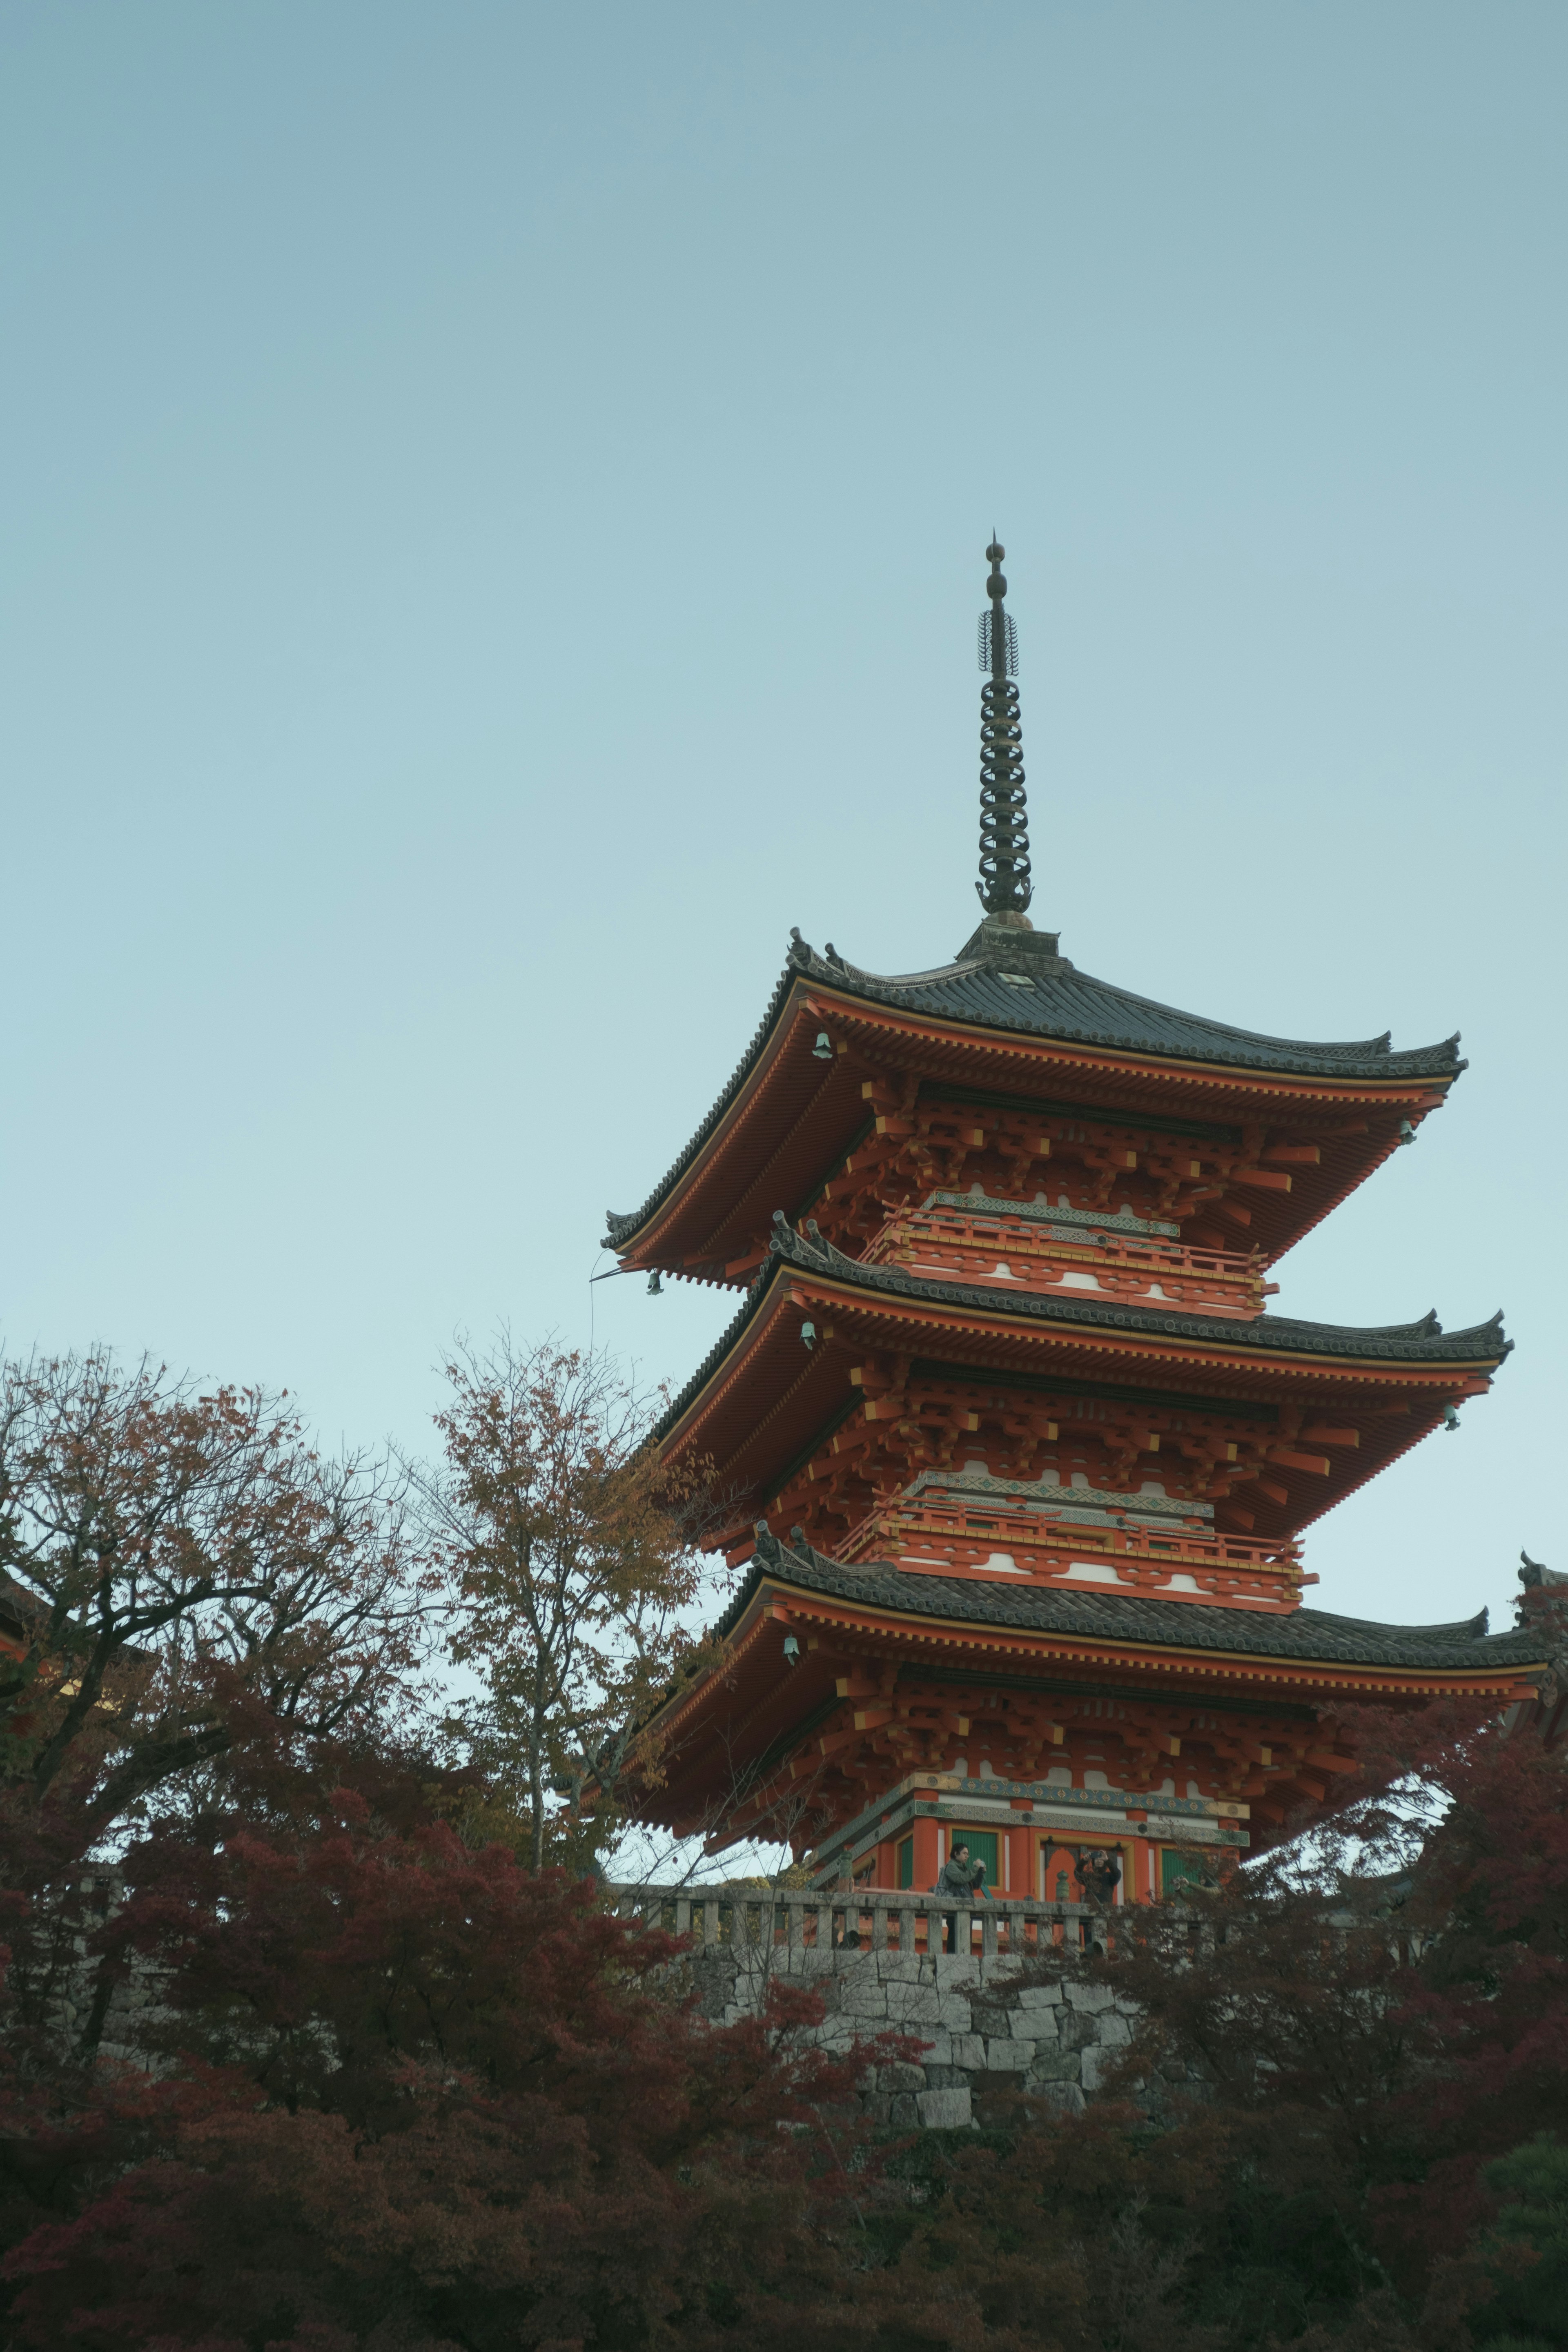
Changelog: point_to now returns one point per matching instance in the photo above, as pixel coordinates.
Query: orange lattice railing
(1024, 1254)
(960, 1535)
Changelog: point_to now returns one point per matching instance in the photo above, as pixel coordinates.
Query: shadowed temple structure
(1015, 1458)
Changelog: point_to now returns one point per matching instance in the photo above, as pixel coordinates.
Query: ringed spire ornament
(1004, 887)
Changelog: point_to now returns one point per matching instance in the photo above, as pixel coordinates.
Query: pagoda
(1013, 1457)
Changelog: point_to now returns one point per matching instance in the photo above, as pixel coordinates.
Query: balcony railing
(955, 1242)
(1052, 1544)
(876, 1918)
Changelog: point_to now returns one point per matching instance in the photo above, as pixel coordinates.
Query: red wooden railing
(958, 1242)
(1054, 1542)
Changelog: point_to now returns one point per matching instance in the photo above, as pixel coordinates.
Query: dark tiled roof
(1066, 1004)
(1308, 1634)
(1424, 1342)
(1061, 1004)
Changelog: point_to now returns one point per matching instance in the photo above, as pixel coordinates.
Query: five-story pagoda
(1014, 1460)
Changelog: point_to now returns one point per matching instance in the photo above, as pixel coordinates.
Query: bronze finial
(1004, 886)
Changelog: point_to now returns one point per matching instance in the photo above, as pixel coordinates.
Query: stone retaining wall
(991, 2025)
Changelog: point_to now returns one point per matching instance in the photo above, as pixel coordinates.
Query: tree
(1367, 2042)
(1529, 2300)
(187, 1583)
(567, 1548)
(183, 1567)
(424, 2096)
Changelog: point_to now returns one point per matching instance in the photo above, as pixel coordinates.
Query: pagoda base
(1031, 1834)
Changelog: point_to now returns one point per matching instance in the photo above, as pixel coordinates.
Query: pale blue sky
(492, 521)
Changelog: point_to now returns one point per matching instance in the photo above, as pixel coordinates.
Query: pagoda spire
(1004, 886)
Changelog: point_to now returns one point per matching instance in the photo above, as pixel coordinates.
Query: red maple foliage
(419, 2096)
(1355, 2050)
(330, 2079)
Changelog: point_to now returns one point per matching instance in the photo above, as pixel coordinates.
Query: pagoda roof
(1311, 1636)
(1061, 1002)
(1423, 1342)
(733, 1719)
(1112, 1046)
(758, 1402)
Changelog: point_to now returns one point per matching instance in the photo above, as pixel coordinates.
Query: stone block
(945, 2110)
(1090, 1997)
(906, 2113)
(840, 2033)
(988, 2017)
(898, 1968)
(1001, 1970)
(1078, 2032)
(1032, 2025)
(955, 1969)
(1065, 2095)
(913, 2004)
(856, 1998)
(809, 1960)
(947, 2078)
(1040, 1996)
(1055, 2066)
(1003, 2055)
(953, 2010)
(937, 2047)
(850, 1961)
(1095, 2065)
(968, 2050)
(900, 2077)
(1113, 2030)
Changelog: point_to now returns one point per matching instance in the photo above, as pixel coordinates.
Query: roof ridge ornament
(1004, 887)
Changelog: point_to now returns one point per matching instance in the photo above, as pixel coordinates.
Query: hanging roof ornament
(1004, 886)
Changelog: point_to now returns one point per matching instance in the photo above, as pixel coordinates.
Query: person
(1098, 1874)
(961, 1878)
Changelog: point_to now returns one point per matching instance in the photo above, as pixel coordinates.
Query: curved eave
(623, 1232)
(1457, 1656)
(721, 1718)
(778, 1088)
(1241, 1657)
(1418, 1346)
(761, 1400)
(1069, 1007)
